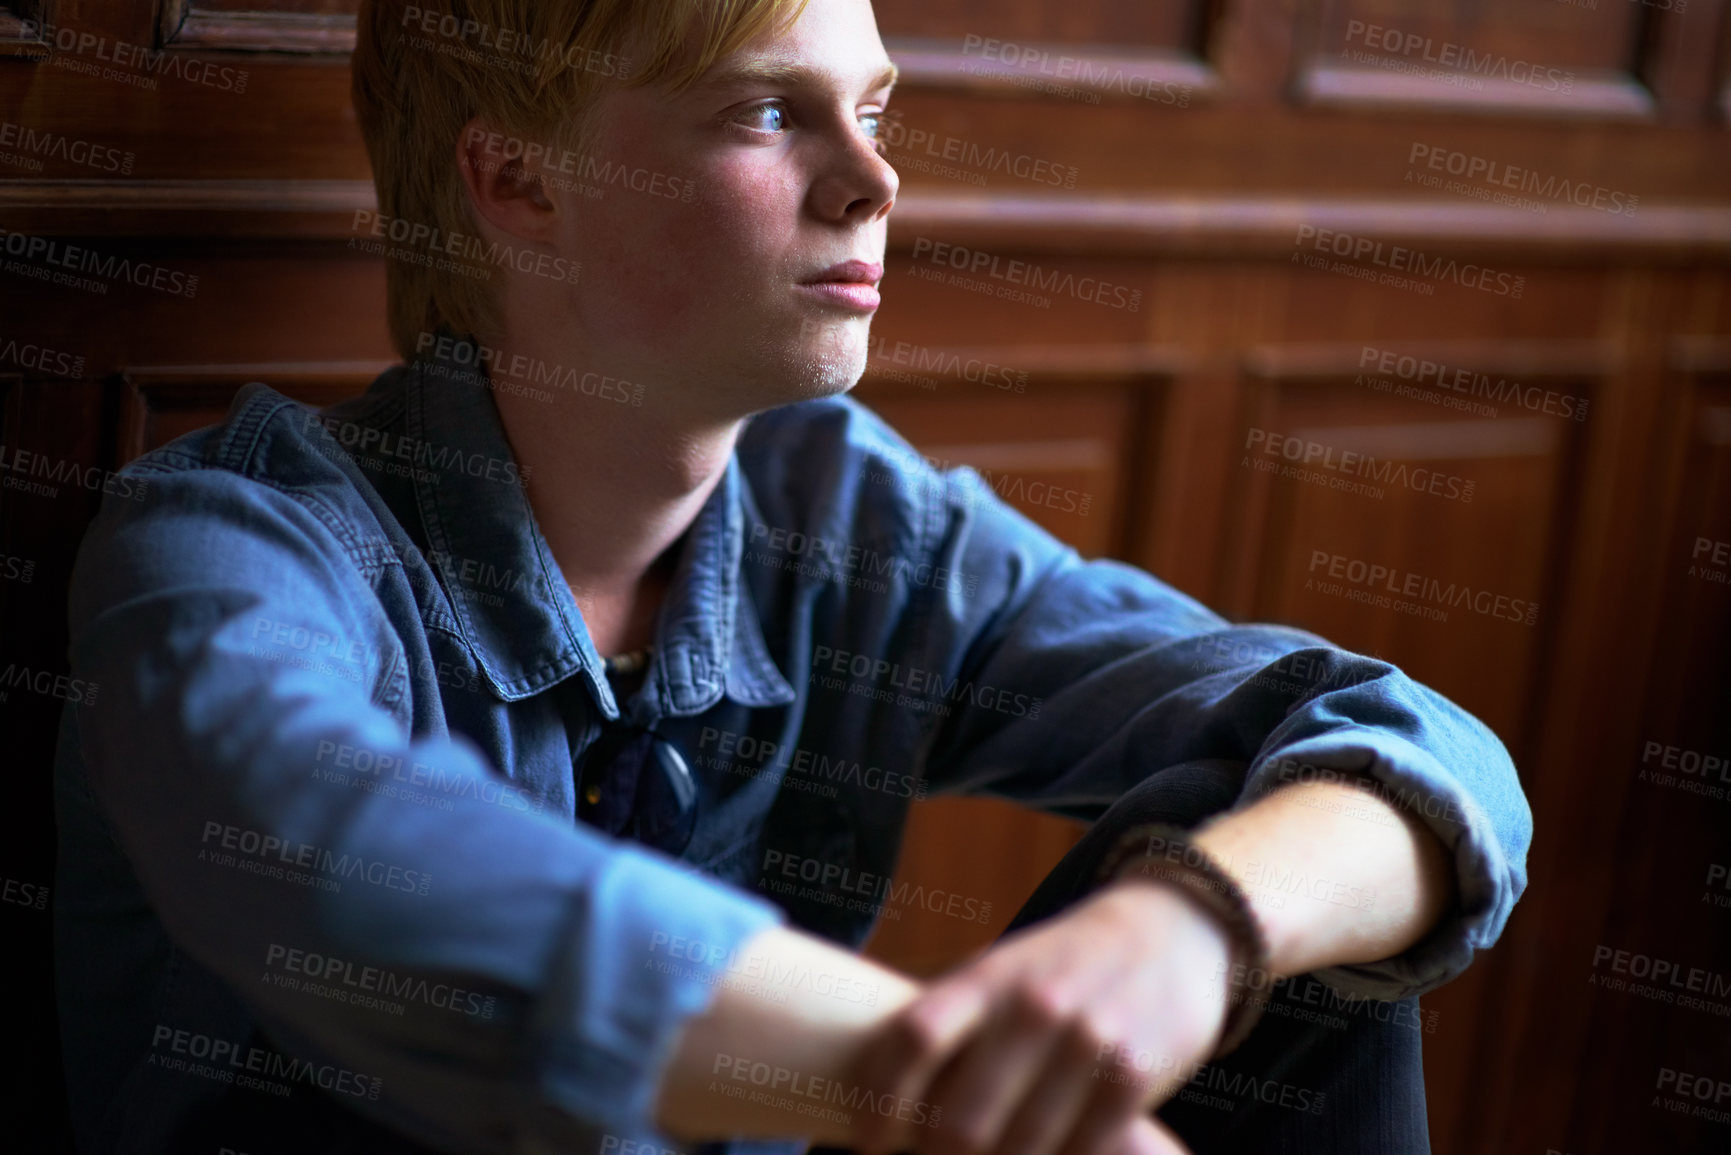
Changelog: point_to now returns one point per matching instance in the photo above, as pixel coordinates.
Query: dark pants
(1364, 1059)
(1320, 1075)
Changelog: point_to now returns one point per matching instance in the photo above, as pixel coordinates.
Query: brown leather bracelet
(1167, 854)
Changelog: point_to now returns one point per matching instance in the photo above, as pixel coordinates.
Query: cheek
(660, 263)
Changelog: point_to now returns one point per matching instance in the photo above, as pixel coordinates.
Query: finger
(1147, 1136)
(1053, 1105)
(1107, 1121)
(904, 1055)
(980, 1087)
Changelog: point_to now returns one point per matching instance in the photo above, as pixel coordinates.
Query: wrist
(1168, 857)
(1194, 945)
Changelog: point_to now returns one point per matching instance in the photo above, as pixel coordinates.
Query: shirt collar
(531, 635)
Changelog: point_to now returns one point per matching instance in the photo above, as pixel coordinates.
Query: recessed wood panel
(1425, 538)
(1159, 24)
(1585, 34)
(981, 849)
(164, 403)
(1532, 57)
(306, 26)
(1063, 460)
(1670, 902)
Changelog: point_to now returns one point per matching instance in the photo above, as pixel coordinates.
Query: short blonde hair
(531, 68)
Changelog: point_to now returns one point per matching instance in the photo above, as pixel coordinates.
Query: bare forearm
(767, 1058)
(1335, 874)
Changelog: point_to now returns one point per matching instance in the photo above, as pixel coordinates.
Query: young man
(451, 781)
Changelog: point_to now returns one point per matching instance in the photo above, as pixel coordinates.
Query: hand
(1061, 1038)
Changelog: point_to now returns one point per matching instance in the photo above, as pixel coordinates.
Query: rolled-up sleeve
(518, 942)
(1083, 679)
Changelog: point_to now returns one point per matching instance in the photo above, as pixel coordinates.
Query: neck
(614, 487)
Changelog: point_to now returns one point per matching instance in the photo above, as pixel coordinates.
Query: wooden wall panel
(1363, 505)
(1167, 23)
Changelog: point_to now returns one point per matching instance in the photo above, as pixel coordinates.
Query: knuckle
(914, 1035)
(1090, 1037)
(1039, 1004)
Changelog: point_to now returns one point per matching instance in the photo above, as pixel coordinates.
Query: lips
(849, 272)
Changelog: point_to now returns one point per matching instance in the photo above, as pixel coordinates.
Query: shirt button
(592, 795)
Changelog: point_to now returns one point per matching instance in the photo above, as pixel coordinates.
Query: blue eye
(873, 124)
(778, 110)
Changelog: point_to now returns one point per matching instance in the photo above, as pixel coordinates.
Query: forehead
(833, 44)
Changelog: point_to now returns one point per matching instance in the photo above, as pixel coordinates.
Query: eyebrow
(785, 72)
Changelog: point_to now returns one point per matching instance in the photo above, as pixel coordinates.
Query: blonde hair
(532, 69)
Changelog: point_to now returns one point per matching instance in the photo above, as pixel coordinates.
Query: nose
(857, 184)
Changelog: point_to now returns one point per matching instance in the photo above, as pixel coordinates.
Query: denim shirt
(318, 808)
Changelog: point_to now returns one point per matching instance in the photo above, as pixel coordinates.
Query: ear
(505, 186)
